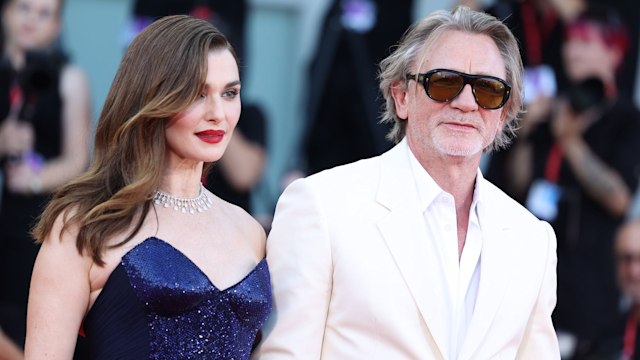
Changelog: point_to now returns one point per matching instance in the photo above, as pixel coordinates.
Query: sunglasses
(444, 85)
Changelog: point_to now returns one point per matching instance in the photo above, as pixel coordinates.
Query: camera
(585, 94)
(40, 71)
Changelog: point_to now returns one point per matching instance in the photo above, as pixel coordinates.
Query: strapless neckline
(196, 267)
(185, 257)
(157, 304)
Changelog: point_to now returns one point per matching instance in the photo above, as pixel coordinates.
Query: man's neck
(459, 181)
(455, 175)
(16, 55)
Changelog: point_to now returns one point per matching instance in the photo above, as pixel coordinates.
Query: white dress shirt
(462, 274)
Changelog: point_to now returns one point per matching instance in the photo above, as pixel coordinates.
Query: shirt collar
(477, 197)
(428, 189)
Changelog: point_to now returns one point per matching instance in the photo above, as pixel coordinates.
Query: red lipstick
(211, 136)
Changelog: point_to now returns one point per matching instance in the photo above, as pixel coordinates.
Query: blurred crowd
(44, 129)
(575, 161)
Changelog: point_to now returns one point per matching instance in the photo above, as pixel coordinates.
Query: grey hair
(423, 34)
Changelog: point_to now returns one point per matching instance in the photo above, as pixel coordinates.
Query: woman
(44, 127)
(136, 251)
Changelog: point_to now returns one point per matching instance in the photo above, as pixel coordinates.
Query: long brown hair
(162, 72)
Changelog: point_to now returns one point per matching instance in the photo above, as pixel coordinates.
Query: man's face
(460, 127)
(627, 253)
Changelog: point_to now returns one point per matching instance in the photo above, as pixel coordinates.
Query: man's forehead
(443, 51)
(629, 238)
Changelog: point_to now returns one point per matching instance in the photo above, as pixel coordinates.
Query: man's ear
(400, 94)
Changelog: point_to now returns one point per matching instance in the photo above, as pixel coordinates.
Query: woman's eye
(23, 8)
(45, 14)
(231, 93)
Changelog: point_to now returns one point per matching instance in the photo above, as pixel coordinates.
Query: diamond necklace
(198, 204)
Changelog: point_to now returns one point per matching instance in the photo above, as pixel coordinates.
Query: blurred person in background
(44, 130)
(620, 339)
(576, 163)
(626, 75)
(343, 100)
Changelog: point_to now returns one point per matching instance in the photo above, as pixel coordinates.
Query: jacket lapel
(497, 256)
(403, 230)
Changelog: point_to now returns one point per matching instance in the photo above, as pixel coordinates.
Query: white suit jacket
(354, 275)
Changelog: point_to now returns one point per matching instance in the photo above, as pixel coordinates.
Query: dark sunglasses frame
(423, 78)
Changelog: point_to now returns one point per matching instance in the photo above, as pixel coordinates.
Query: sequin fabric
(188, 317)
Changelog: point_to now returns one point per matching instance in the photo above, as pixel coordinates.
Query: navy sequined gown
(157, 304)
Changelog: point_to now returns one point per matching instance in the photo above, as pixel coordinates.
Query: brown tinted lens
(444, 85)
(489, 92)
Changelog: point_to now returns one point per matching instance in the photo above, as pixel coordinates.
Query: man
(412, 254)
(620, 340)
(627, 251)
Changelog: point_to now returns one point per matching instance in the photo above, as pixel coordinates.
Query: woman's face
(202, 132)
(32, 24)
(586, 54)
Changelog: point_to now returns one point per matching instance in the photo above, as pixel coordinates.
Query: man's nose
(465, 101)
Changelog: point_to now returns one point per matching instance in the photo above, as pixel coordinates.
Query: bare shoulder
(73, 81)
(59, 250)
(243, 224)
(63, 233)
(57, 235)
(58, 294)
